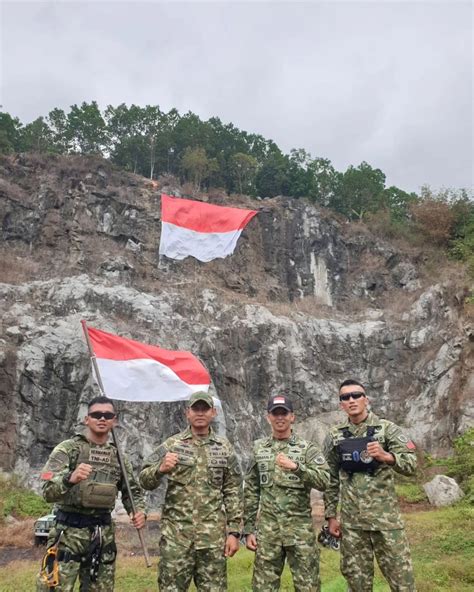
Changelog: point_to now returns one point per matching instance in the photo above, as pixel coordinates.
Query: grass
(20, 502)
(411, 493)
(442, 543)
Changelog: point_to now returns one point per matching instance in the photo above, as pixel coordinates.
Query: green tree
(359, 192)
(36, 137)
(60, 133)
(324, 181)
(244, 168)
(195, 165)
(10, 133)
(87, 129)
(273, 176)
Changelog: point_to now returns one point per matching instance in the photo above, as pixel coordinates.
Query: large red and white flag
(134, 371)
(201, 230)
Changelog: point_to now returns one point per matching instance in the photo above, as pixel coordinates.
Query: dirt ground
(17, 541)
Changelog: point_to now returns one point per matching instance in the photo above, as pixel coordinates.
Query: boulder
(443, 491)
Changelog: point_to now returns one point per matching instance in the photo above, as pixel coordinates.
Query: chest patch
(100, 456)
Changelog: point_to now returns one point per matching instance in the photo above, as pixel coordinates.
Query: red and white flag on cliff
(133, 371)
(200, 230)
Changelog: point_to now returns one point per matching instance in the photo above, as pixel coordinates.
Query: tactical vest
(272, 475)
(353, 455)
(99, 490)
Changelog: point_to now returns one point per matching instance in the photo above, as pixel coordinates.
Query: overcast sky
(390, 83)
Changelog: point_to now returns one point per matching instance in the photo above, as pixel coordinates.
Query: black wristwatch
(235, 534)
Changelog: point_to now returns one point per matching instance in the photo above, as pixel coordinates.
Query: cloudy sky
(390, 83)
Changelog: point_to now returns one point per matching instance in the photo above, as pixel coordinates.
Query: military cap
(200, 396)
(279, 401)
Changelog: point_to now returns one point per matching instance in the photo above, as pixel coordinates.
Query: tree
(359, 192)
(59, 127)
(10, 133)
(36, 137)
(244, 169)
(195, 165)
(87, 129)
(273, 176)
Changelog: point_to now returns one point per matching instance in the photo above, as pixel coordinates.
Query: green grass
(410, 492)
(442, 543)
(20, 502)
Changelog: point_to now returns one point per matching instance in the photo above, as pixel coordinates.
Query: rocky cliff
(305, 302)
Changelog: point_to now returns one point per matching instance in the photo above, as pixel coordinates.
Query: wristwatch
(235, 534)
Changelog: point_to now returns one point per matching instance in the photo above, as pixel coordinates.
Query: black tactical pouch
(353, 455)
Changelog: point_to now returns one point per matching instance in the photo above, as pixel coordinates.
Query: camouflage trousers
(179, 565)
(303, 560)
(77, 541)
(392, 552)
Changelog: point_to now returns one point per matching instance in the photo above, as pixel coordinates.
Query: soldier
(82, 476)
(363, 453)
(202, 510)
(278, 484)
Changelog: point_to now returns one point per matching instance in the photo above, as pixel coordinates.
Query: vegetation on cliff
(151, 142)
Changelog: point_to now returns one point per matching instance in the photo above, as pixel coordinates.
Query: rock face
(305, 302)
(443, 491)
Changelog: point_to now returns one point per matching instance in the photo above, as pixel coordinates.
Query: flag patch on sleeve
(47, 475)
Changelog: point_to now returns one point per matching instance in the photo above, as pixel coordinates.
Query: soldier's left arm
(402, 449)
(232, 493)
(135, 489)
(314, 472)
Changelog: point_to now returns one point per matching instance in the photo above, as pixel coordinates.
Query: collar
(270, 440)
(187, 434)
(370, 420)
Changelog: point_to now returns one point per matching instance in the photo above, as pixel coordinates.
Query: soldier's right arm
(331, 495)
(57, 470)
(251, 497)
(150, 475)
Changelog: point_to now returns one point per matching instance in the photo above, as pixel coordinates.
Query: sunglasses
(351, 396)
(100, 414)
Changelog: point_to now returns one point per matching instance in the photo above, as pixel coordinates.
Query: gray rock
(443, 491)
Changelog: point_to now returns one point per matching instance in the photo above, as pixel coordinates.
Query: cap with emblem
(279, 401)
(201, 396)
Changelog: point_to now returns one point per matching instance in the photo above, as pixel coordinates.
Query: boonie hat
(200, 396)
(279, 401)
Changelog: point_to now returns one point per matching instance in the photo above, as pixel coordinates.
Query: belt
(76, 520)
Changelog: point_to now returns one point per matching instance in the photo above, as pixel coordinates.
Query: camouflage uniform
(370, 518)
(75, 543)
(203, 502)
(282, 500)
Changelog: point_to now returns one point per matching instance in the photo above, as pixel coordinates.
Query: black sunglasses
(100, 414)
(351, 396)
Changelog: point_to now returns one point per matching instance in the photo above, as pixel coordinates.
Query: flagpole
(114, 437)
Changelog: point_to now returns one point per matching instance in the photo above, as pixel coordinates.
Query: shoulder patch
(403, 438)
(319, 459)
(411, 445)
(47, 475)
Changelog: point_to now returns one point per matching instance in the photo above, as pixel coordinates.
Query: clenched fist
(285, 463)
(168, 463)
(81, 473)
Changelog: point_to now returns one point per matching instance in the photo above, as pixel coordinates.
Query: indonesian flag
(133, 371)
(200, 230)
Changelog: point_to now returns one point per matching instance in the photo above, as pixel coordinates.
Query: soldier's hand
(138, 520)
(80, 473)
(376, 451)
(168, 463)
(334, 527)
(231, 546)
(251, 542)
(285, 463)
